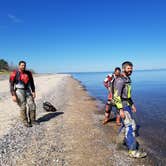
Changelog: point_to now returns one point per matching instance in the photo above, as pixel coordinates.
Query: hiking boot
(137, 154)
(28, 124)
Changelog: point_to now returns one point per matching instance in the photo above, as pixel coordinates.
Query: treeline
(5, 66)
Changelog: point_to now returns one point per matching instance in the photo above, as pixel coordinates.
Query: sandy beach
(74, 135)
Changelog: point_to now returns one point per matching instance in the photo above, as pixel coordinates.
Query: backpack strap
(17, 77)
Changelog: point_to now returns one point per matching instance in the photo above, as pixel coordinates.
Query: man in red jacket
(22, 89)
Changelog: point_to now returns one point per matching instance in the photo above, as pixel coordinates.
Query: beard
(128, 73)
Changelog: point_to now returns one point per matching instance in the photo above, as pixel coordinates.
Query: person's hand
(134, 108)
(122, 115)
(14, 98)
(33, 95)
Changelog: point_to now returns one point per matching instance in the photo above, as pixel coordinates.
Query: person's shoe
(35, 123)
(105, 121)
(137, 154)
(28, 124)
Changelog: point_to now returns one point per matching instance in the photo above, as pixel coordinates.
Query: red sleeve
(12, 82)
(12, 76)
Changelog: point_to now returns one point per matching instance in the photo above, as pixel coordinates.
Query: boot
(118, 120)
(137, 154)
(28, 124)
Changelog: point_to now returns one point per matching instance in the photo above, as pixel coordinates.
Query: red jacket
(24, 78)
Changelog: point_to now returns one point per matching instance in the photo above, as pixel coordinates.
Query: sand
(9, 111)
(74, 135)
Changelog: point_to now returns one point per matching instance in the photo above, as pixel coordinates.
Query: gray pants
(25, 100)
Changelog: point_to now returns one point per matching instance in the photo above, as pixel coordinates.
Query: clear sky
(83, 35)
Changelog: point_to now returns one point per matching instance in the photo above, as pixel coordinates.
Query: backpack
(47, 106)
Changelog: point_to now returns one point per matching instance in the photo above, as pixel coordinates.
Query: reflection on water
(149, 94)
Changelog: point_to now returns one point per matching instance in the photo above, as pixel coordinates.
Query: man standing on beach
(108, 83)
(125, 105)
(22, 89)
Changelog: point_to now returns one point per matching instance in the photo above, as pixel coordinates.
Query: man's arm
(12, 82)
(130, 101)
(132, 105)
(32, 85)
(118, 87)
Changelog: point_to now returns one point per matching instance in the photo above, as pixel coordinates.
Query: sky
(83, 35)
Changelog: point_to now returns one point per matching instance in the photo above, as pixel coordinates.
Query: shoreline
(100, 111)
(152, 157)
(74, 135)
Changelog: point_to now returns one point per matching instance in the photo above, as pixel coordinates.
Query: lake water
(149, 95)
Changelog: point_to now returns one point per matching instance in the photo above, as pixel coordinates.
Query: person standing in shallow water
(108, 83)
(123, 101)
(22, 89)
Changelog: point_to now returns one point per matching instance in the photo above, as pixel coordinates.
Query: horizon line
(69, 72)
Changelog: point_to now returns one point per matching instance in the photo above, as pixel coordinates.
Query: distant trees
(3, 65)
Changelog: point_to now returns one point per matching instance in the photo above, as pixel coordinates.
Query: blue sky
(83, 35)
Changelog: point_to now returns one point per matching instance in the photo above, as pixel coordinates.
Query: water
(149, 94)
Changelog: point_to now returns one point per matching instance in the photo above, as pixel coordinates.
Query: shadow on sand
(49, 116)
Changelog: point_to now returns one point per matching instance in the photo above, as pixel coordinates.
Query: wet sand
(74, 135)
